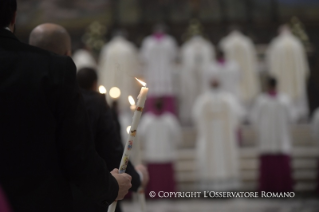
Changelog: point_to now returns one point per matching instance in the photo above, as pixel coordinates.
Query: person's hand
(143, 170)
(124, 181)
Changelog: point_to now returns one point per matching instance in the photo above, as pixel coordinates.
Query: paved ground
(228, 205)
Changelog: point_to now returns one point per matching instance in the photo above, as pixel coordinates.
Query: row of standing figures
(234, 62)
(216, 89)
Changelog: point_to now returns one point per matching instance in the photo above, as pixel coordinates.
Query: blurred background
(92, 23)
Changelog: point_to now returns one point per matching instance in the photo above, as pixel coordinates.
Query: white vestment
(196, 54)
(160, 136)
(118, 66)
(272, 117)
(84, 59)
(287, 62)
(158, 56)
(217, 115)
(229, 75)
(240, 48)
(315, 124)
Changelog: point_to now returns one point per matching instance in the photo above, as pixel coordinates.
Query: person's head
(8, 10)
(87, 79)
(51, 37)
(272, 84)
(214, 83)
(159, 105)
(220, 55)
(160, 28)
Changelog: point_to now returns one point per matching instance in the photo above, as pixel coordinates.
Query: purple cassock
(275, 173)
(169, 104)
(161, 178)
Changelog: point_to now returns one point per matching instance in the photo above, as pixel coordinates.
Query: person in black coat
(45, 137)
(107, 137)
(107, 142)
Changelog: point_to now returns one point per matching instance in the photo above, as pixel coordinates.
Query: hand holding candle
(129, 144)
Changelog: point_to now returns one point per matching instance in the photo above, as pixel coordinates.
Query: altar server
(160, 134)
(158, 53)
(272, 116)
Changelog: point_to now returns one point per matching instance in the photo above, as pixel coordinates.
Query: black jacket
(45, 138)
(107, 143)
(106, 137)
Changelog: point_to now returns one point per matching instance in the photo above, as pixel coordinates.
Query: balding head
(51, 37)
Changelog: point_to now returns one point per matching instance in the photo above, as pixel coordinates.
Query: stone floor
(228, 205)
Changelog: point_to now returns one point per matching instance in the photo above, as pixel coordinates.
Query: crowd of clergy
(215, 89)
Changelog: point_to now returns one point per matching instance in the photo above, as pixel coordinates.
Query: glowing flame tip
(102, 89)
(143, 83)
(131, 100)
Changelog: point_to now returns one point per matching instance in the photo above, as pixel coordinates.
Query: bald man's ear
(13, 22)
(68, 53)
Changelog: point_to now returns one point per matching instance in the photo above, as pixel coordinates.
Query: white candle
(129, 144)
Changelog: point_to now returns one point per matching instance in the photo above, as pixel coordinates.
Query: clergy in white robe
(272, 117)
(240, 48)
(287, 62)
(226, 71)
(160, 134)
(217, 116)
(158, 53)
(196, 54)
(118, 65)
(84, 59)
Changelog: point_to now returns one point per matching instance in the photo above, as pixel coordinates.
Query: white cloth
(84, 59)
(196, 54)
(118, 65)
(158, 56)
(239, 48)
(315, 124)
(228, 74)
(160, 136)
(217, 115)
(287, 62)
(272, 117)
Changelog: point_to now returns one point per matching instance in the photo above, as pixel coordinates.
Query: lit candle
(115, 92)
(140, 192)
(133, 130)
(102, 89)
(132, 103)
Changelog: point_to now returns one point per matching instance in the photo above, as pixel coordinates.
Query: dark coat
(45, 138)
(107, 141)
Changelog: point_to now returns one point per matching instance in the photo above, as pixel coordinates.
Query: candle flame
(131, 100)
(143, 83)
(128, 129)
(115, 92)
(102, 89)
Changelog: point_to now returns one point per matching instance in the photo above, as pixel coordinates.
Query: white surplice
(287, 62)
(217, 116)
(272, 117)
(160, 136)
(158, 56)
(196, 54)
(240, 48)
(228, 74)
(118, 66)
(84, 59)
